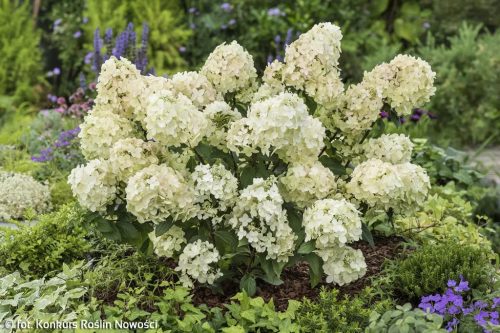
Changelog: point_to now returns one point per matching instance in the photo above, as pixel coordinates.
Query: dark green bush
(466, 102)
(428, 269)
(19, 51)
(38, 250)
(331, 314)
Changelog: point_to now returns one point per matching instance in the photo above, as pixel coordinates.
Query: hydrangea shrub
(236, 176)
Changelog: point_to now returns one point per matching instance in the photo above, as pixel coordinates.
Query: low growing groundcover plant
(236, 177)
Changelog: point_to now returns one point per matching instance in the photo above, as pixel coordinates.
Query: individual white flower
(311, 63)
(332, 223)
(282, 123)
(197, 262)
(20, 193)
(158, 192)
(169, 243)
(194, 86)
(216, 190)
(230, 68)
(392, 148)
(385, 185)
(406, 82)
(127, 156)
(342, 265)
(260, 218)
(101, 130)
(93, 185)
(120, 86)
(220, 116)
(173, 120)
(303, 184)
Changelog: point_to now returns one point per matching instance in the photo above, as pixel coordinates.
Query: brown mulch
(296, 279)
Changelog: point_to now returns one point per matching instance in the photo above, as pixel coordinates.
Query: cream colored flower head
(392, 148)
(304, 184)
(130, 155)
(407, 82)
(93, 184)
(220, 116)
(158, 192)
(101, 130)
(342, 265)
(168, 244)
(173, 120)
(120, 86)
(230, 68)
(332, 223)
(198, 262)
(194, 86)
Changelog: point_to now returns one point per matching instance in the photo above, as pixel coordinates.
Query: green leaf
(108, 229)
(225, 240)
(129, 233)
(248, 284)
(164, 226)
(366, 234)
(315, 269)
(306, 248)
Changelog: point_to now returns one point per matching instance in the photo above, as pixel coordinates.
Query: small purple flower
(85, 20)
(223, 27)
(270, 59)
(226, 6)
(192, 26)
(402, 120)
(192, 10)
(52, 98)
(56, 71)
(496, 302)
(452, 324)
(426, 25)
(182, 49)
(275, 12)
(57, 23)
(277, 39)
(384, 114)
(77, 34)
(231, 22)
(420, 112)
(415, 117)
(88, 58)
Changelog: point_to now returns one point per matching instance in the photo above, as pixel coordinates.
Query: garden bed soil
(296, 283)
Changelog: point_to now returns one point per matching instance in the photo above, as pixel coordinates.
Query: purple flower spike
(226, 6)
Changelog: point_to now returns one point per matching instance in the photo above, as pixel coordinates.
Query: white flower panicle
(392, 148)
(169, 243)
(197, 262)
(281, 122)
(311, 63)
(127, 156)
(93, 184)
(120, 86)
(406, 82)
(332, 223)
(220, 116)
(303, 184)
(260, 218)
(20, 193)
(342, 265)
(173, 120)
(194, 86)
(230, 68)
(384, 185)
(101, 130)
(158, 192)
(216, 190)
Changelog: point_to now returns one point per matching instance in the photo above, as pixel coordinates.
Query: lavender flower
(275, 12)
(192, 10)
(182, 49)
(85, 20)
(226, 7)
(97, 51)
(56, 71)
(57, 23)
(231, 22)
(77, 34)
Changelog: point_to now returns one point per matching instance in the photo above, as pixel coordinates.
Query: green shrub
(467, 86)
(19, 51)
(331, 314)
(404, 319)
(56, 238)
(427, 270)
